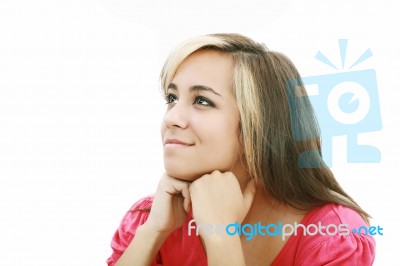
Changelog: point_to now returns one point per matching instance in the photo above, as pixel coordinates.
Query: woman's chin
(183, 175)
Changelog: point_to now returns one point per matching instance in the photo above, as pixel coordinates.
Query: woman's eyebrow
(173, 86)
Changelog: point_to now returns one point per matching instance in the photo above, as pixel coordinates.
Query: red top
(330, 249)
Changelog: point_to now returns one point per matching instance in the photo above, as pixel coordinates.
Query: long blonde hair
(265, 84)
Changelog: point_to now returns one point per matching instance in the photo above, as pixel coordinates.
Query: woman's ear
(241, 144)
(240, 135)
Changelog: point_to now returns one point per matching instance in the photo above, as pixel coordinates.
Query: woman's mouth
(176, 143)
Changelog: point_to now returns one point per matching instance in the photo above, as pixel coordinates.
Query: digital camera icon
(345, 103)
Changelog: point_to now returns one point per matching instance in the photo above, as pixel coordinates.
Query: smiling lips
(176, 143)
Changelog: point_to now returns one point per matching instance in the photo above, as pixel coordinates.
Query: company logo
(279, 229)
(345, 103)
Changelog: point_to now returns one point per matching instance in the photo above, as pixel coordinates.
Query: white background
(80, 109)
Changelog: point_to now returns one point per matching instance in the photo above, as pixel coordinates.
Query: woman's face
(200, 129)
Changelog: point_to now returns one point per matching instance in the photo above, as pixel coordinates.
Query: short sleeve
(327, 247)
(352, 249)
(136, 216)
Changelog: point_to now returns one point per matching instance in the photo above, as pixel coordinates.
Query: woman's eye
(170, 98)
(203, 101)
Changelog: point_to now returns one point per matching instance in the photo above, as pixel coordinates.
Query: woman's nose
(177, 116)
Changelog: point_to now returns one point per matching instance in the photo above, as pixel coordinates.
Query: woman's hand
(170, 205)
(168, 213)
(217, 199)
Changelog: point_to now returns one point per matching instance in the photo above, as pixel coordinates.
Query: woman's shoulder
(138, 213)
(337, 224)
(133, 218)
(334, 214)
(143, 203)
(331, 234)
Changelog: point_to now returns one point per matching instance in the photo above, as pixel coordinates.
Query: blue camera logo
(345, 103)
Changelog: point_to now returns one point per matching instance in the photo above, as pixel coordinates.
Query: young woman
(233, 165)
